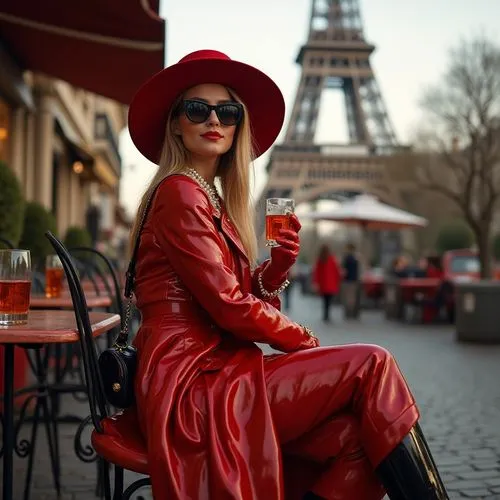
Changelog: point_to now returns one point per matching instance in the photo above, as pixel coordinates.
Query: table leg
(8, 421)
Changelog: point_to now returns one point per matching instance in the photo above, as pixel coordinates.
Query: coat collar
(230, 232)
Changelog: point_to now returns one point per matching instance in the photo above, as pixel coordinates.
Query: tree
(454, 236)
(461, 138)
(37, 220)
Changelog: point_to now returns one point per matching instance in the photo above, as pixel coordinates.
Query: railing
(324, 149)
(340, 149)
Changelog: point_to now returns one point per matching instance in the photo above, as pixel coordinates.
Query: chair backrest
(89, 356)
(80, 252)
(7, 243)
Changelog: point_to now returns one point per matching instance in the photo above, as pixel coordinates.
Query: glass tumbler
(278, 211)
(54, 274)
(15, 286)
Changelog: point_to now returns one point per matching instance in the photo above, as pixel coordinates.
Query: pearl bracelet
(270, 295)
(308, 331)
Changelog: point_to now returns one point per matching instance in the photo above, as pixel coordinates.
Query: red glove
(308, 342)
(283, 257)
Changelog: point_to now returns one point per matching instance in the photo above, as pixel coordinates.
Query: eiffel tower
(336, 55)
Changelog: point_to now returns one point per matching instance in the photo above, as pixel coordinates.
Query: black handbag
(118, 363)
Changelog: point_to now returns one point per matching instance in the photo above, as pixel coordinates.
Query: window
(464, 264)
(5, 130)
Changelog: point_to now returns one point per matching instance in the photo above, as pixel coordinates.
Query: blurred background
(390, 149)
(69, 147)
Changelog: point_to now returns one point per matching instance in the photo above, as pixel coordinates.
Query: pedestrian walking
(351, 286)
(326, 278)
(220, 419)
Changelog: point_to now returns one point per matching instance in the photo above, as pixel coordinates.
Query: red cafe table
(40, 301)
(64, 301)
(411, 286)
(43, 327)
(427, 287)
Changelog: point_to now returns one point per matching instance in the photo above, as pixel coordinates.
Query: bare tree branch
(442, 189)
(463, 114)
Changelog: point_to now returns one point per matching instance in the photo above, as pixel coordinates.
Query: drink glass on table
(278, 211)
(54, 274)
(15, 286)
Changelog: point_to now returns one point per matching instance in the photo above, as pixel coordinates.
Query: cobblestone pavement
(457, 387)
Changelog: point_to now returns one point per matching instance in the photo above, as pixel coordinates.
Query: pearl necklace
(211, 191)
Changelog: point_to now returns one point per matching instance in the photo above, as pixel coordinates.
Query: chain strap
(122, 339)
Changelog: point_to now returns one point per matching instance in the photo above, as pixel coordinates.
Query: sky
(412, 40)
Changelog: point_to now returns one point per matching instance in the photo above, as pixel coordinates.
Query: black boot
(409, 471)
(311, 496)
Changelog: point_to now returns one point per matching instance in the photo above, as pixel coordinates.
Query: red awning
(109, 47)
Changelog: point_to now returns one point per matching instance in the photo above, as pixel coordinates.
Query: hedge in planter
(37, 220)
(77, 237)
(454, 236)
(12, 205)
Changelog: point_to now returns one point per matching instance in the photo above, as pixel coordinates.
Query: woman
(326, 277)
(220, 419)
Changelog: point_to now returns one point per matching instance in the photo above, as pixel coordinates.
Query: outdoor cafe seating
(116, 438)
(55, 344)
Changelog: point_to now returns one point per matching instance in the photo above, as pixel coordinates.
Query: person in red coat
(326, 277)
(434, 268)
(220, 419)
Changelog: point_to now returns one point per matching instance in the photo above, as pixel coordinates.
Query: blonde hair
(233, 172)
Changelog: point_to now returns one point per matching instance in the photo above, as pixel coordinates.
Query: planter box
(478, 311)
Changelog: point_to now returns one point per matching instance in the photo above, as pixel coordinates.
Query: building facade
(62, 144)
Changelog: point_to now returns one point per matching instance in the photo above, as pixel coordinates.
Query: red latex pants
(338, 412)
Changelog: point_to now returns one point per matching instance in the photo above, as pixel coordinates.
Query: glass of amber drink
(278, 211)
(15, 286)
(54, 274)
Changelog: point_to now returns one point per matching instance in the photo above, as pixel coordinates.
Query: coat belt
(181, 307)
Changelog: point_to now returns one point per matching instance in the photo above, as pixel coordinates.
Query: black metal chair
(118, 436)
(7, 243)
(98, 268)
(91, 265)
(83, 254)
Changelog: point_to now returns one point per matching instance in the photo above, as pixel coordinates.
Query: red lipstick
(212, 136)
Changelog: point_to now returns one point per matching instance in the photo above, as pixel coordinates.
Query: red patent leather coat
(200, 387)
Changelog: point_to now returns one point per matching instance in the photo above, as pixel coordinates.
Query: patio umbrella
(370, 213)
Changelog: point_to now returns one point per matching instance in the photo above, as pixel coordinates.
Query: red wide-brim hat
(151, 104)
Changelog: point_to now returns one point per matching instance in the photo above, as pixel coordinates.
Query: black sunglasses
(229, 113)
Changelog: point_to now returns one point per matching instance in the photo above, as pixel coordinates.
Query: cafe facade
(66, 79)
(62, 144)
